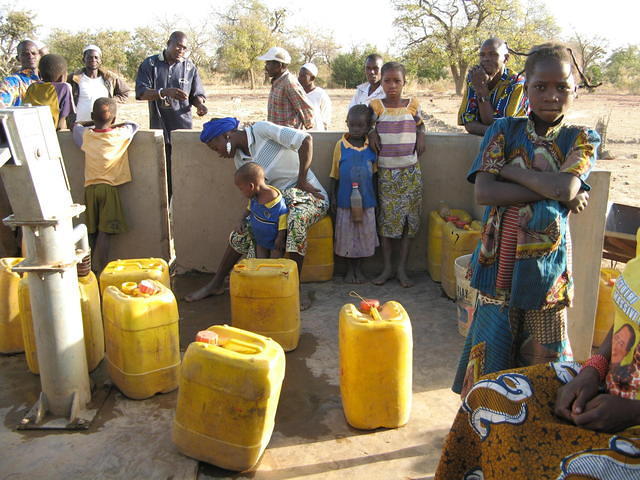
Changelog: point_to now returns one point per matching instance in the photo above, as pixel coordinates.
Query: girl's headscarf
(216, 127)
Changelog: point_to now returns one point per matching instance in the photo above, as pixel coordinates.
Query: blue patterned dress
(526, 324)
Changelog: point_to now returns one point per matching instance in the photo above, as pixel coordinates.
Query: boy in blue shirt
(266, 211)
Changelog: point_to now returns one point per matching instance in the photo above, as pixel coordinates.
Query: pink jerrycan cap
(147, 287)
(207, 336)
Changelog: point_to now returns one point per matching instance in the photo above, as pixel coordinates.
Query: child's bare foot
(305, 300)
(208, 290)
(404, 280)
(360, 276)
(350, 276)
(383, 277)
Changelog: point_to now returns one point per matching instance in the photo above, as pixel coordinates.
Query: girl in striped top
(399, 141)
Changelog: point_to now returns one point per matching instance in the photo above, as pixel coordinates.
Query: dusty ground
(623, 112)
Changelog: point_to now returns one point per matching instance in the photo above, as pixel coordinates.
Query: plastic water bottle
(356, 203)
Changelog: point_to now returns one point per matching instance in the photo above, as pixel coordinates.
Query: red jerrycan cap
(367, 303)
(207, 336)
(147, 287)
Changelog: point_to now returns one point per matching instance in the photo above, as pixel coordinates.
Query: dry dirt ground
(623, 112)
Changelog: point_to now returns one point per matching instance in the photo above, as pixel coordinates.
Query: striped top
(397, 128)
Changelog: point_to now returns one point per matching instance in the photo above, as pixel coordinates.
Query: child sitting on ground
(266, 210)
(53, 91)
(106, 167)
(354, 163)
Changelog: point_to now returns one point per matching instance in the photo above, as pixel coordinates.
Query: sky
(617, 22)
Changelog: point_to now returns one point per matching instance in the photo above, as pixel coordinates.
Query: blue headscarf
(218, 126)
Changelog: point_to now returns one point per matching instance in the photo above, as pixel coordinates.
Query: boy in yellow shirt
(106, 167)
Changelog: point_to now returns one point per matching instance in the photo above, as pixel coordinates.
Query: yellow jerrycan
(142, 339)
(91, 322)
(10, 326)
(230, 382)
(605, 312)
(456, 242)
(318, 262)
(376, 355)
(434, 239)
(134, 270)
(265, 299)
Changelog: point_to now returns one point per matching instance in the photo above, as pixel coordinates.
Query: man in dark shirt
(171, 84)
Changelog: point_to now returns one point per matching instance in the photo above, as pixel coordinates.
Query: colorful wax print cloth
(399, 200)
(304, 210)
(14, 87)
(507, 99)
(541, 273)
(506, 429)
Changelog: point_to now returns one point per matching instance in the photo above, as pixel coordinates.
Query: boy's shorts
(104, 210)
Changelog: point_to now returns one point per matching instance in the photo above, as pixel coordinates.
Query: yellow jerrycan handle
(242, 266)
(638, 243)
(248, 348)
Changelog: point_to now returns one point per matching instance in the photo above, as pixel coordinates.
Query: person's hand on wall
(579, 203)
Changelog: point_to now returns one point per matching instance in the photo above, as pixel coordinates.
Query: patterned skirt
(304, 210)
(501, 338)
(400, 201)
(356, 240)
(506, 429)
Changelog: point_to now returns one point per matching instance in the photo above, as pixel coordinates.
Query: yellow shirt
(106, 157)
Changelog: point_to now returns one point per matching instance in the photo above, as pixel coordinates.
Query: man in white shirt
(371, 89)
(93, 82)
(317, 97)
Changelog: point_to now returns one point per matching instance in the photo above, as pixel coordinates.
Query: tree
(15, 26)
(348, 68)
(623, 67)
(420, 64)
(452, 30)
(317, 46)
(590, 53)
(247, 31)
(114, 45)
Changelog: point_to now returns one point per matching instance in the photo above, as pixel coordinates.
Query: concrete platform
(131, 439)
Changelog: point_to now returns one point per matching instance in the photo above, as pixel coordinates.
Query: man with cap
(170, 82)
(92, 82)
(288, 105)
(316, 96)
(14, 87)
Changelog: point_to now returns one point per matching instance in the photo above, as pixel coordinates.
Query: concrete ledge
(207, 207)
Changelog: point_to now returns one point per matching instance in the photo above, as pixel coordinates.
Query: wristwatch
(160, 94)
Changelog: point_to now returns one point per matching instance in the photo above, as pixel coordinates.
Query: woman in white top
(285, 154)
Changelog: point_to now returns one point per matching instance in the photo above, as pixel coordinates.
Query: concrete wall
(144, 199)
(207, 206)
